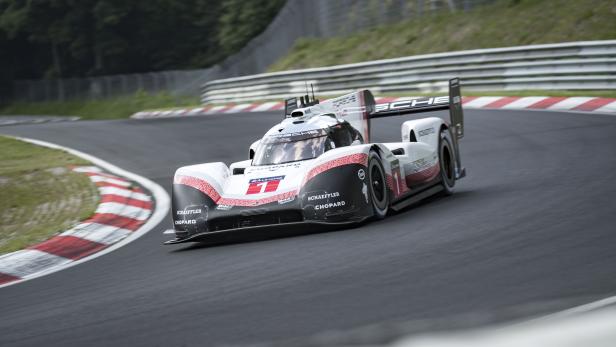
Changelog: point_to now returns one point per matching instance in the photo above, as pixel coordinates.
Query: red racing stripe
(424, 175)
(593, 104)
(545, 103)
(199, 184)
(359, 158)
(501, 102)
(115, 220)
(257, 202)
(6, 278)
(70, 247)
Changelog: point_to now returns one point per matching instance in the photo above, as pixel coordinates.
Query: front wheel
(447, 162)
(378, 186)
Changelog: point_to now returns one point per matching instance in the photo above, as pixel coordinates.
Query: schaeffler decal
(323, 196)
(189, 212)
(263, 185)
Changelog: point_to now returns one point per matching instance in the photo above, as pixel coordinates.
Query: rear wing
(453, 103)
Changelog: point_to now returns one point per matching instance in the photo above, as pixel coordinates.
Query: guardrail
(574, 65)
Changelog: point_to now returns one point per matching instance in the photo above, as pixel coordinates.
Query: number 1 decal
(263, 185)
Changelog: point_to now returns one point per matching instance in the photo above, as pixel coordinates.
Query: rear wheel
(378, 186)
(447, 162)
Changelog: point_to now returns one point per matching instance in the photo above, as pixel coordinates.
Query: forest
(82, 38)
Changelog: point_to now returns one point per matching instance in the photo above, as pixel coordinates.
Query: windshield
(278, 152)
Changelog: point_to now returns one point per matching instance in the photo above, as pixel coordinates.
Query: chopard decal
(186, 222)
(330, 205)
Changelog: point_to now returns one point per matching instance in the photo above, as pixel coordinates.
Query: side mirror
(253, 149)
(239, 167)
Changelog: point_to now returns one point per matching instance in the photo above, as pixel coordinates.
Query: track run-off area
(529, 231)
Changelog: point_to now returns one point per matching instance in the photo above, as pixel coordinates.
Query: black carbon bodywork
(334, 197)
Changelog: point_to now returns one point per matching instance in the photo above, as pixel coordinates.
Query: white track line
(160, 211)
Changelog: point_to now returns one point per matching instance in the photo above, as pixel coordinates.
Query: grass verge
(502, 24)
(39, 195)
(112, 108)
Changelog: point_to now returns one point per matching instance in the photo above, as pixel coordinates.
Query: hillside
(502, 24)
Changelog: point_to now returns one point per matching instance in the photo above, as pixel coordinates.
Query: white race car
(318, 167)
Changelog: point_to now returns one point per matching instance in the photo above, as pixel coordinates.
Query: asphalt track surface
(531, 230)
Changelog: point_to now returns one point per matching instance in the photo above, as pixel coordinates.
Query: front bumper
(273, 230)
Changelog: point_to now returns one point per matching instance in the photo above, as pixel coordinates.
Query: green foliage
(112, 108)
(77, 38)
(505, 23)
(241, 20)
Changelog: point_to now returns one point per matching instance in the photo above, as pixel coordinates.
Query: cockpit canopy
(304, 145)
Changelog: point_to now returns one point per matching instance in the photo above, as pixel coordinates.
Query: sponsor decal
(186, 222)
(323, 196)
(330, 205)
(273, 167)
(188, 212)
(338, 103)
(361, 174)
(405, 104)
(426, 132)
(418, 165)
(263, 185)
(287, 200)
(224, 207)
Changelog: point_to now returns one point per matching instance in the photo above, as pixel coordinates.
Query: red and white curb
(549, 103)
(125, 212)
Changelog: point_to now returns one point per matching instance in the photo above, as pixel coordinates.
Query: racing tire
(377, 179)
(447, 162)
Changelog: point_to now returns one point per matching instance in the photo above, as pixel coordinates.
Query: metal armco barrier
(588, 65)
